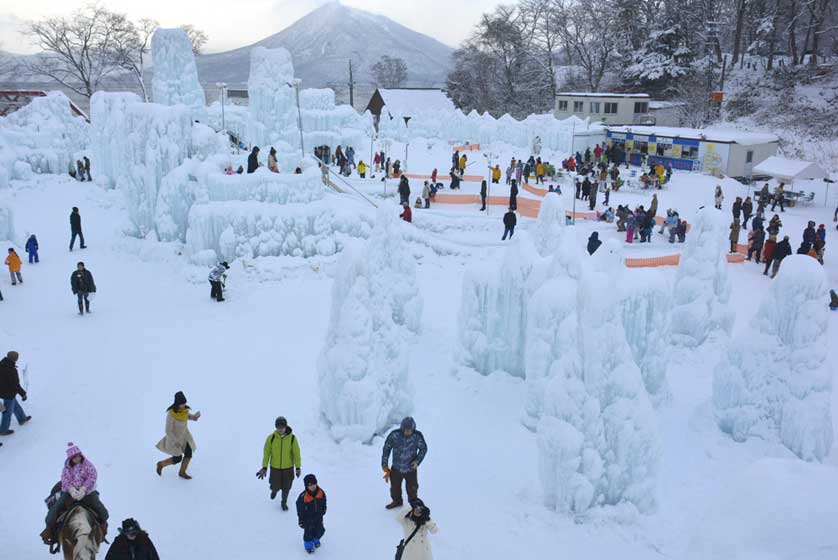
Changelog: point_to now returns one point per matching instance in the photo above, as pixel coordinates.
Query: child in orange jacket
(13, 262)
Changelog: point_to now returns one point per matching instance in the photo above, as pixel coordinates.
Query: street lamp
(222, 86)
(295, 83)
(407, 144)
(490, 157)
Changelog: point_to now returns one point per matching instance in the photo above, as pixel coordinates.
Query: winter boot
(284, 506)
(87, 306)
(162, 464)
(273, 494)
(183, 466)
(394, 505)
(81, 309)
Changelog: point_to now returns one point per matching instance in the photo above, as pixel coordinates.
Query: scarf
(181, 416)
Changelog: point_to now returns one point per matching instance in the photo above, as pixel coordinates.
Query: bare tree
(588, 34)
(389, 72)
(198, 37)
(134, 48)
(80, 50)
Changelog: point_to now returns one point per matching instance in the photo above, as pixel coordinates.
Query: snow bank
(597, 435)
(44, 136)
(701, 296)
(7, 224)
(175, 80)
(646, 304)
(376, 307)
(255, 229)
(138, 144)
(774, 508)
(775, 382)
(272, 101)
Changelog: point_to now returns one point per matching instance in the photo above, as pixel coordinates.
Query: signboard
(713, 157)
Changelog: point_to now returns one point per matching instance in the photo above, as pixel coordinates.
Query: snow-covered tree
(775, 382)
(663, 59)
(702, 288)
(376, 308)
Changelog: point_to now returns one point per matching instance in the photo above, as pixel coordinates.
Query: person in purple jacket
(78, 483)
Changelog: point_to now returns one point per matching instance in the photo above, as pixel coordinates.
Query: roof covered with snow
(407, 101)
(665, 104)
(590, 94)
(707, 134)
(790, 169)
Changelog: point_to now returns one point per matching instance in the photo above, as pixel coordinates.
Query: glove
(297, 472)
(24, 397)
(301, 525)
(260, 474)
(414, 465)
(386, 474)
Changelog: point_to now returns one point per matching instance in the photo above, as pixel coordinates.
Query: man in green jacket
(282, 453)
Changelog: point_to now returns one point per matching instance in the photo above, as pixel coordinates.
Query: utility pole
(351, 86)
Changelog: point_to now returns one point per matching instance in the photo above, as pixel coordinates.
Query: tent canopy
(788, 170)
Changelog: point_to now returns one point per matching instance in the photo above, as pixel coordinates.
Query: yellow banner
(676, 150)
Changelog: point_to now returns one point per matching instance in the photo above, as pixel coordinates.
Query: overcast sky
(244, 22)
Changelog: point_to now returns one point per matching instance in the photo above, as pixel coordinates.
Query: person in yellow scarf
(178, 441)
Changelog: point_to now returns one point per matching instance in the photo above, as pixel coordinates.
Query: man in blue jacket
(409, 449)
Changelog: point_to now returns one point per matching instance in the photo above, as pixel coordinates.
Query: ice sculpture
(702, 288)
(775, 382)
(363, 368)
(175, 80)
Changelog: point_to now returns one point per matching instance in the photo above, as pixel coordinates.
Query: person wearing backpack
(282, 454)
(416, 523)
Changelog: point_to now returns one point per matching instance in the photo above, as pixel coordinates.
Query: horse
(80, 535)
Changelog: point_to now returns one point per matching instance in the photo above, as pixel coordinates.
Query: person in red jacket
(407, 214)
(768, 253)
(597, 152)
(433, 176)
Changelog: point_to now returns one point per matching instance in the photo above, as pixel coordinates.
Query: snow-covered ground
(104, 381)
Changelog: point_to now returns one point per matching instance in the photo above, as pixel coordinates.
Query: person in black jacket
(253, 160)
(311, 507)
(81, 282)
(9, 390)
(513, 195)
(593, 243)
(132, 543)
(509, 221)
(483, 192)
(737, 207)
(87, 168)
(781, 251)
(404, 190)
(75, 229)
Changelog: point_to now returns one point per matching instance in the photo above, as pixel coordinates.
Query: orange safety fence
(440, 177)
(467, 148)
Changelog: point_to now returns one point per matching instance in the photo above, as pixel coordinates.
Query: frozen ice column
(273, 105)
(175, 80)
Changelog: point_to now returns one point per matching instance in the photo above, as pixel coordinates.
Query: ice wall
(376, 306)
(7, 224)
(597, 435)
(252, 229)
(775, 381)
(138, 144)
(44, 136)
(272, 101)
(175, 79)
(493, 311)
(701, 295)
(645, 305)
(195, 182)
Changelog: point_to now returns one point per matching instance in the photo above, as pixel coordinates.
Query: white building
(609, 108)
(729, 152)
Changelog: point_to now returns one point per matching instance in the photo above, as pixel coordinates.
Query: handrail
(342, 180)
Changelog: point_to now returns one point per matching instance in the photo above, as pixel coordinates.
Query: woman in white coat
(178, 441)
(416, 523)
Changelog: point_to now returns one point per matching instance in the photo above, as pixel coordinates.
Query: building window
(641, 107)
(749, 156)
(578, 106)
(594, 106)
(610, 108)
(563, 106)
(689, 152)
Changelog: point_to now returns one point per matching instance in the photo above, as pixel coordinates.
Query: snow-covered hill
(323, 42)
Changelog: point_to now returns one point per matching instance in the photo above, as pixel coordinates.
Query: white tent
(788, 170)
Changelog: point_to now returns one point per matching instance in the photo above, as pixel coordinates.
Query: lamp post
(407, 144)
(222, 86)
(490, 157)
(295, 83)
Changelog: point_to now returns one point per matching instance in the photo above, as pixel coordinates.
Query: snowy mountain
(323, 42)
